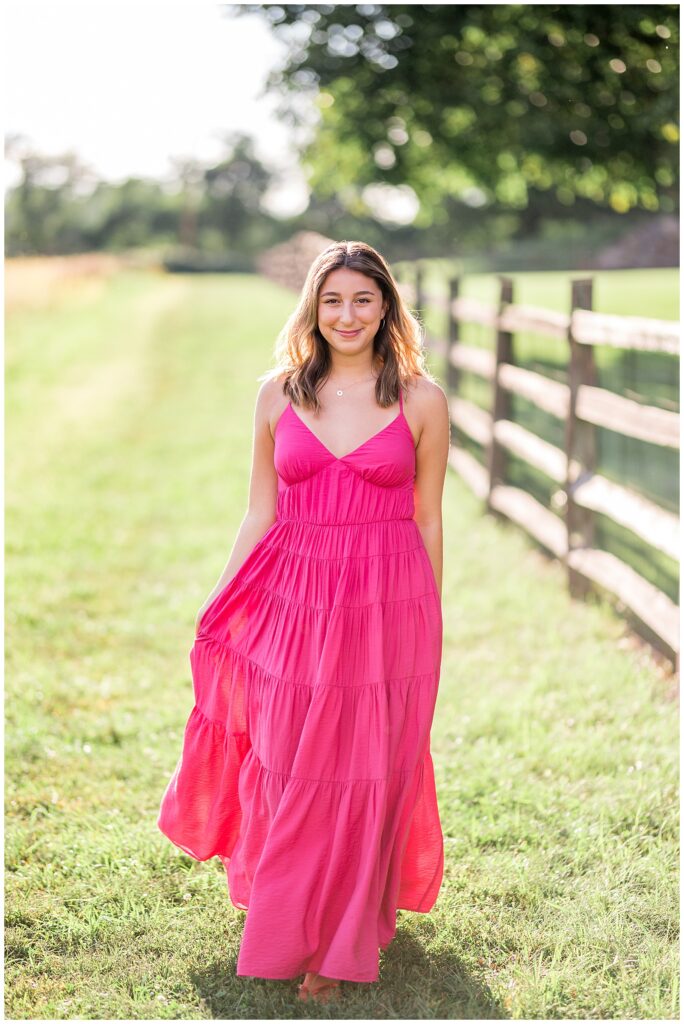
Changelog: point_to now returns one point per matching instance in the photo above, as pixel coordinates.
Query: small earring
(383, 323)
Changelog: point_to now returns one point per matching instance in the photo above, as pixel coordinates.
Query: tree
(235, 187)
(39, 208)
(504, 105)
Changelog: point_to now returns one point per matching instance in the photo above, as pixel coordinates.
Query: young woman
(306, 760)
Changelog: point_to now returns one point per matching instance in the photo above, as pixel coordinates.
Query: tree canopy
(501, 105)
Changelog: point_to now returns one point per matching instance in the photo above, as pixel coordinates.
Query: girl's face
(350, 308)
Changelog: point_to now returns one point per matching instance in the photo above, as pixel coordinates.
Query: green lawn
(129, 414)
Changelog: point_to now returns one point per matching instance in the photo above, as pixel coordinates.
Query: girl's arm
(263, 491)
(432, 456)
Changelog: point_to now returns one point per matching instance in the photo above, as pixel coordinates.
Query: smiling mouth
(348, 334)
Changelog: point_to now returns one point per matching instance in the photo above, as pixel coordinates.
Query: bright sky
(130, 85)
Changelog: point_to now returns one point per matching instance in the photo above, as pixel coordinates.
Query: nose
(346, 317)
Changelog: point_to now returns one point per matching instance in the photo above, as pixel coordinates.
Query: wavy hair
(302, 354)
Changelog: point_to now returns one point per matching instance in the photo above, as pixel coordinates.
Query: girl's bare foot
(317, 987)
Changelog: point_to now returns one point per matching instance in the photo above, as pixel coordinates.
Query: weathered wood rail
(581, 406)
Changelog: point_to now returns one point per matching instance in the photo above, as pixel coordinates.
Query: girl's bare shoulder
(427, 394)
(272, 400)
(272, 387)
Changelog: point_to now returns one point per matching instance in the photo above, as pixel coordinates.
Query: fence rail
(581, 406)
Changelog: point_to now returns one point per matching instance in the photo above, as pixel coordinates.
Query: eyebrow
(364, 292)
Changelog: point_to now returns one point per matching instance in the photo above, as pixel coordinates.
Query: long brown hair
(302, 354)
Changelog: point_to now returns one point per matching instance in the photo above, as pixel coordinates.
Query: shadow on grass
(413, 984)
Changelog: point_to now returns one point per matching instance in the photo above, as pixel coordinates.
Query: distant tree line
(59, 206)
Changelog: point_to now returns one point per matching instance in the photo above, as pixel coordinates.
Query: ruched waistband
(339, 522)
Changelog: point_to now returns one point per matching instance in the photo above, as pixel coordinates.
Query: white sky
(129, 85)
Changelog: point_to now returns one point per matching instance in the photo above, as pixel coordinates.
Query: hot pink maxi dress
(306, 763)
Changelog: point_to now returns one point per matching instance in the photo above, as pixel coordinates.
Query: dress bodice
(373, 482)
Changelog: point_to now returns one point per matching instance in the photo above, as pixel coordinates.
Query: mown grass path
(129, 416)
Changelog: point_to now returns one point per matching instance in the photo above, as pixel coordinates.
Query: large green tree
(509, 106)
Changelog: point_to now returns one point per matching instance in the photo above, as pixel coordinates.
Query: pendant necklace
(339, 391)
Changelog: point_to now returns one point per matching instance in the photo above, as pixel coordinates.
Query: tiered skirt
(306, 762)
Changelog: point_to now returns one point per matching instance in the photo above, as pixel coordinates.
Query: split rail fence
(581, 406)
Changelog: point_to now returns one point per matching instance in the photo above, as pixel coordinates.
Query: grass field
(129, 411)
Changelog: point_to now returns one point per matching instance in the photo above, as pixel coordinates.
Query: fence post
(452, 374)
(501, 400)
(580, 440)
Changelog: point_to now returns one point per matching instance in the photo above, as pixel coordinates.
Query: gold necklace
(339, 391)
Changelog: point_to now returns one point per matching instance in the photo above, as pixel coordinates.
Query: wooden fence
(582, 406)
